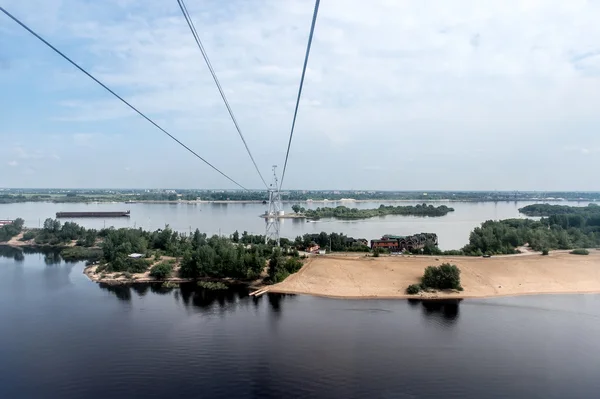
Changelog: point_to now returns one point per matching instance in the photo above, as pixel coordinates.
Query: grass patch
(212, 285)
(81, 253)
(131, 265)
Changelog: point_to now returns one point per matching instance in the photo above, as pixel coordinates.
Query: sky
(399, 95)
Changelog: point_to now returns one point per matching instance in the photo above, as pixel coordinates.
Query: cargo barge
(117, 214)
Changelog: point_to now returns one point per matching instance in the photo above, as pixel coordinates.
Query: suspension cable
(117, 96)
(310, 37)
(188, 19)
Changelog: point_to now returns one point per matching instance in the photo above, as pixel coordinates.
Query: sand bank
(388, 277)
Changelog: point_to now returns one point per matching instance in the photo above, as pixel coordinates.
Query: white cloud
(32, 154)
(12, 163)
(434, 79)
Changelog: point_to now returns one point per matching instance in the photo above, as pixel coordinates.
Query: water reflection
(11, 253)
(157, 288)
(190, 295)
(141, 289)
(122, 292)
(275, 302)
(52, 258)
(200, 298)
(445, 310)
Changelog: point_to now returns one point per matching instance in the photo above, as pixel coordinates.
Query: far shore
(356, 276)
(319, 201)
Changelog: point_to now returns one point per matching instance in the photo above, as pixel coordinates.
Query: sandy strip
(388, 277)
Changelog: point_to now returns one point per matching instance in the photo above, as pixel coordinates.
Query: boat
(96, 214)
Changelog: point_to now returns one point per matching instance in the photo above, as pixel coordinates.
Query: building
(404, 243)
(313, 248)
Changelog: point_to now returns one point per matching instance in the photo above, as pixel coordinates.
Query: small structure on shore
(313, 248)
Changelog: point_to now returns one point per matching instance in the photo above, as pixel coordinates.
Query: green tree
(161, 271)
(445, 276)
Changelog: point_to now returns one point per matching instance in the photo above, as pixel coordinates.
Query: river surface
(63, 336)
(224, 218)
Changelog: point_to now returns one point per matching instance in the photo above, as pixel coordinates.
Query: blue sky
(399, 95)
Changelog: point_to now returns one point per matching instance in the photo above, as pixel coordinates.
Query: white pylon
(274, 211)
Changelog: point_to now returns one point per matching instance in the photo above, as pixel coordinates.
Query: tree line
(87, 195)
(343, 212)
(505, 236)
(10, 230)
(555, 210)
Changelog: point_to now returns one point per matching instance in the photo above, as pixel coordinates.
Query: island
(343, 212)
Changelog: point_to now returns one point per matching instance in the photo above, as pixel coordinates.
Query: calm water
(453, 229)
(62, 336)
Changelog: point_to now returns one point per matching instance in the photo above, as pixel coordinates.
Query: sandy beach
(388, 277)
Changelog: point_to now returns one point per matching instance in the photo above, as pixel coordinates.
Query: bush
(29, 235)
(545, 251)
(292, 265)
(161, 271)
(580, 251)
(413, 289)
(443, 277)
(380, 251)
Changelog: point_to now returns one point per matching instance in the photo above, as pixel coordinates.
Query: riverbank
(387, 277)
(125, 278)
(18, 242)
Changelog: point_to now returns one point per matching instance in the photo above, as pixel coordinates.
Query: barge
(97, 214)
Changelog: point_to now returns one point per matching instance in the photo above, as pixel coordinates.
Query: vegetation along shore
(537, 251)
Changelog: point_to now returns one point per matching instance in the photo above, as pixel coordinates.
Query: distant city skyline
(399, 96)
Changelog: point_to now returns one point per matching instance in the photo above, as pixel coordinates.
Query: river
(224, 218)
(63, 336)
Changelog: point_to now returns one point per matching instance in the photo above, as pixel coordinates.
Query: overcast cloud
(399, 95)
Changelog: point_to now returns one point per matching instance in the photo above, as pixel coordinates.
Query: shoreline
(119, 278)
(422, 297)
(309, 201)
(356, 277)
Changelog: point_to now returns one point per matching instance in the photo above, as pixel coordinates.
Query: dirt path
(388, 277)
